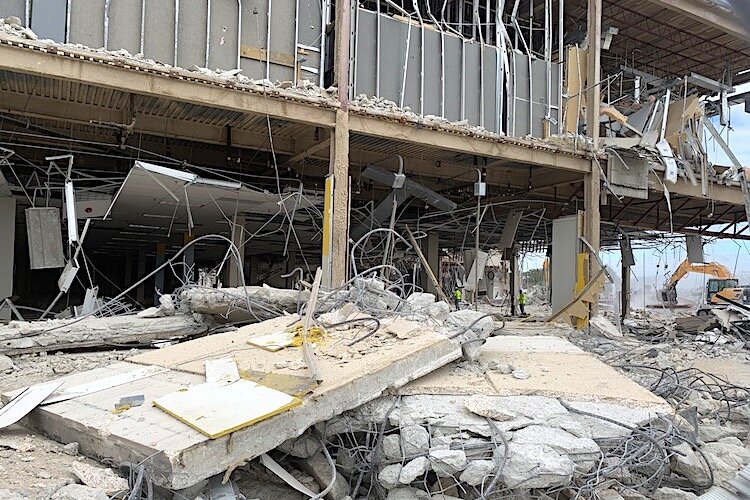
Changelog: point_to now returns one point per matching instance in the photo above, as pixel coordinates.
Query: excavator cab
(715, 285)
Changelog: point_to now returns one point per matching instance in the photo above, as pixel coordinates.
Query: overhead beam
(530, 153)
(94, 116)
(731, 23)
(719, 192)
(37, 59)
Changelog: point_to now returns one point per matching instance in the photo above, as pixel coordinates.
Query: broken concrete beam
(23, 337)
(243, 303)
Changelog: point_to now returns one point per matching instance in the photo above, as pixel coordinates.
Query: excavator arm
(669, 292)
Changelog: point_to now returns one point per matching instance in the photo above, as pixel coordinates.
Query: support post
(513, 280)
(161, 250)
(593, 79)
(339, 157)
(188, 258)
(625, 291)
(592, 182)
(339, 219)
(140, 293)
(432, 253)
(238, 238)
(7, 242)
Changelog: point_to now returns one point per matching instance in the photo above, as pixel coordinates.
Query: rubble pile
(428, 441)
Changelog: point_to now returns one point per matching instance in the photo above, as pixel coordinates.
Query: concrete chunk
(536, 466)
(415, 440)
(388, 477)
(414, 469)
(78, 492)
(447, 463)
(476, 472)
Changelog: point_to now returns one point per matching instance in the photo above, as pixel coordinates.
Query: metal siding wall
(87, 22)
(283, 19)
(490, 88)
(124, 25)
(472, 89)
(254, 34)
(453, 72)
(13, 8)
(158, 42)
(432, 73)
(366, 53)
(48, 19)
(223, 36)
(412, 88)
(392, 53)
(191, 34)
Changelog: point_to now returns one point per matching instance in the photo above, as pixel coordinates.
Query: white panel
(565, 247)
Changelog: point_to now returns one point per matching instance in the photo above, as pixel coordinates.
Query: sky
(655, 265)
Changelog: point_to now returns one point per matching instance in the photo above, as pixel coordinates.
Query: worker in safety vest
(522, 302)
(457, 297)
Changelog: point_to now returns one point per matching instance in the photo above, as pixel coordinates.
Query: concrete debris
(477, 472)
(447, 463)
(6, 364)
(414, 469)
(415, 440)
(238, 304)
(583, 451)
(520, 374)
(673, 494)
(389, 476)
(100, 479)
(79, 492)
(319, 468)
(536, 466)
(392, 447)
(71, 449)
(21, 337)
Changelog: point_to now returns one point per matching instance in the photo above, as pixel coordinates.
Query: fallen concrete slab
(177, 456)
(555, 368)
(23, 337)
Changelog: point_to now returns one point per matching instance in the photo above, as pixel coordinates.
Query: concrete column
(238, 238)
(432, 254)
(7, 251)
(161, 250)
(339, 162)
(339, 169)
(140, 293)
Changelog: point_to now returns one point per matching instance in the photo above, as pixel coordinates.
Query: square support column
(338, 224)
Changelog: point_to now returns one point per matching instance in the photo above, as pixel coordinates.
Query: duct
(386, 208)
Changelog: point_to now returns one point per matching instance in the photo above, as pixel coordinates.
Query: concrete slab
(178, 456)
(733, 370)
(556, 367)
(539, 343)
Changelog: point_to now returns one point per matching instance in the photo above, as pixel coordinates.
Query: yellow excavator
(723, 284)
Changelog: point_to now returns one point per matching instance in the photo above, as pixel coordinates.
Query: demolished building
(176, 173)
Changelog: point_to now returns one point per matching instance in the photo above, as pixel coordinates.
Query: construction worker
(522, 302)
(457, 297)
